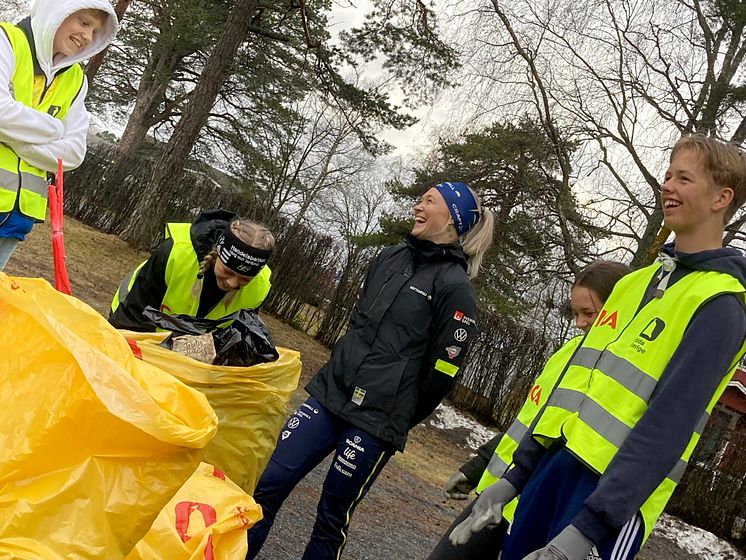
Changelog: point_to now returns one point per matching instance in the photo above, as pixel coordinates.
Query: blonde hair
(723, 161)
(477, 241)
(248, 231)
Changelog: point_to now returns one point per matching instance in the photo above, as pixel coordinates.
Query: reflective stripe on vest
(20, 181)
(125, 286)
(537, 398)
(497, 465)
(613, 375)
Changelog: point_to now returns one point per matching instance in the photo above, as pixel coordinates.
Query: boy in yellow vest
(42, 115)
(605, 454)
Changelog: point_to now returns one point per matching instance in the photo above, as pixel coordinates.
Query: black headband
(239, 256)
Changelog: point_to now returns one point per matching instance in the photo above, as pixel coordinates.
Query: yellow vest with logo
(19, 180)
(612, 375)
(536, 399)
(181, 273)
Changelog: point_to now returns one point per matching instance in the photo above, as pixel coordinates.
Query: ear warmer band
(461, 204)
(239, 256)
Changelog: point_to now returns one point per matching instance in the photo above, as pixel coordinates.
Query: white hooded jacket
(38, 138)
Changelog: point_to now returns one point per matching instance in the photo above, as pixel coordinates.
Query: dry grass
(96, 262)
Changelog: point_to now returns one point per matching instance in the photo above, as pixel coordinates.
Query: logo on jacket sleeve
(460, 317)
(453, 351)
(460, 335)
(605, 319)
(358, 395)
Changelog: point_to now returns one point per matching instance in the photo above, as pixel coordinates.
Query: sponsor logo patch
(461, 318)
(358, 395)
(355, 444)
(286, 434)
(453, 351)
(460, 335)
(293, 423)
(423, 293)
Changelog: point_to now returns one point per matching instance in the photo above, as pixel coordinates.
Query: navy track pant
(554, 494)
(309, 436)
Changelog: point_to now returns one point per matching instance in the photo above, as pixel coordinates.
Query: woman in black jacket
(408, 334)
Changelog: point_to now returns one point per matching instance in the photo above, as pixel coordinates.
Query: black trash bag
(244, 342)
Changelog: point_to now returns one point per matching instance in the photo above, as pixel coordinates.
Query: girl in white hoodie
(42, 114)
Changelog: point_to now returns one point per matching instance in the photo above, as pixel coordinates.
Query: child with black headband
(209, 268)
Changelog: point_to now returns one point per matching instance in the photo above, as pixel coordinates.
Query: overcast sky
(421, 135)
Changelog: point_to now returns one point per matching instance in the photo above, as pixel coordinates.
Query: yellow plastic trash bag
(208, 518)
(94, 442)
(250, 403)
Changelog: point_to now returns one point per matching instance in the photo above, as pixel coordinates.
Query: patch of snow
(448, 418)
(698, 542)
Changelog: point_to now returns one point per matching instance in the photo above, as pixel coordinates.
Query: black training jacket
(407, 338)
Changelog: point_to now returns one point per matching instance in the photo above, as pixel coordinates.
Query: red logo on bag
(458, 315)
(217, 473)
(134, 347)
(240, 513)
(604, 319)
(182, 513)
(535, 394)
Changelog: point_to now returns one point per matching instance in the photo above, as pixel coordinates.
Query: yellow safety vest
(181, 273)
(19, 180)
(612, 375)
(536, 399)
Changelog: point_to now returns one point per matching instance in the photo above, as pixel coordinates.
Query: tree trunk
(169, 170)
(91, 69)
(150, 94)
(650, 243)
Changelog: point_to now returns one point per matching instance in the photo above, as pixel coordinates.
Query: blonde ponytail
(478, 239)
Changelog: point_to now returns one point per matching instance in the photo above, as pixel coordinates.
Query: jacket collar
(429, 251)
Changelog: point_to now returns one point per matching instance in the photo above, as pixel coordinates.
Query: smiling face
(227, 279)
(585, 305)
(432, 219)
(689, 199)
(76, 32)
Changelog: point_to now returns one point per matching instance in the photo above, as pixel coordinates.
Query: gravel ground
(401, 517)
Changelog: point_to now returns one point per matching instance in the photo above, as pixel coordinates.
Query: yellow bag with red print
(94, 442)
(206, 519)
(250, 403)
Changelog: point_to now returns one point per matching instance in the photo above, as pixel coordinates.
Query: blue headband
(462, 205)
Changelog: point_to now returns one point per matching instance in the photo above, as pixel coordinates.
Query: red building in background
(724, 438)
